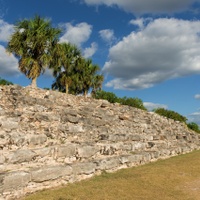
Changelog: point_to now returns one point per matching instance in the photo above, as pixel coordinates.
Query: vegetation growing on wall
(5, 82)
(35, 43)
(193, 126)
(170, 114)
(177, 117)
(112, 98)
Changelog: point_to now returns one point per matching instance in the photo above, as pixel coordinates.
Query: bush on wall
(170, 114)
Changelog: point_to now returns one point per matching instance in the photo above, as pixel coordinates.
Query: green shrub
(5, 82)
(112, 98)
(133, 102)
(170, 114)
(109, 96)
(193, 126)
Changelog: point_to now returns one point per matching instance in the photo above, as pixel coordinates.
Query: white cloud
(8, 63)
(5, 31)
(107, 35)
(90, 51)
(140, 22)
(77, 34)
(197, 96)
(146, 6)
(164, 49)
(194, 117)
(151, 106)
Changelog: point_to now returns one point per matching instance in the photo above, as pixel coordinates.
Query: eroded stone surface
(47, 137)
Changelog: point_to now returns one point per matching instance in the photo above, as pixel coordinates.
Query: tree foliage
(64, 66)
(170, 114)
(73, 73)
(32, 43)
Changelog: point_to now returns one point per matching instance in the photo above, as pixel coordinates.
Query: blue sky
(148, 49)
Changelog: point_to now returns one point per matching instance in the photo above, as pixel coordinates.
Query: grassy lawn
(177, 178)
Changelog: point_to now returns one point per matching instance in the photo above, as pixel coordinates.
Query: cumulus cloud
(90, 51)
(5, 31)
(197, 96)
(8, 63)
(146, 6)
(194, 117)
(141, 22)
(107, 35)
(151, 106)
(77, 34)
(162, 50)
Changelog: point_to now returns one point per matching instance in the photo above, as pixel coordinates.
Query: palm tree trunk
(34, 82)
(85, 93)
(67, 88)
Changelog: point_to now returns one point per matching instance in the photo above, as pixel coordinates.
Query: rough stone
(37, 139)
(16, 180)
(108, 163)
(84, 168)
(22, 155)
(66, 151)
(2, 159)
(50, 173)
(47, 138)
(87, 151)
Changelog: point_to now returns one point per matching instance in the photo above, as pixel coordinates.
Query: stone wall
(49, 138)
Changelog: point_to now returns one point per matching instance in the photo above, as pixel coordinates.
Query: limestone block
(2, 111)
(108, 149)
(50, 173)
(105, 104)
(43, 117)
(84, 168)
(87, 151)
(124, 117)
(9, 123)
(156, 137)
(15, 180)
(75, 128)
(146, 157)
(69, 112)
(135, 158)
(94, 122)
(149, 137)
(123, 159)
(46, 151)
(138, 146)
(69, 118)
(22, 155)
(3, 142)
(66, 151)
(37, 139)
(2, 176)
(2, 159)
(135, 137)
(117, 137)
(108, 163)
(17, 139)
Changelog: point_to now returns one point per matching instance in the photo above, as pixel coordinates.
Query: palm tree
(64, 68)
(32, 43)
(97, 83)
(89, 71)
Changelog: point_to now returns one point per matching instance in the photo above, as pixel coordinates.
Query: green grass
(177, 178)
